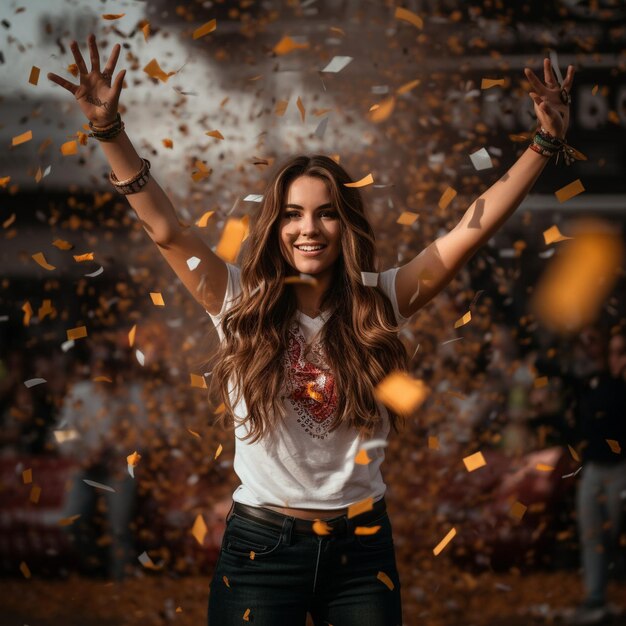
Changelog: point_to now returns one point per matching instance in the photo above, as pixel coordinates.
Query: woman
(304, 357)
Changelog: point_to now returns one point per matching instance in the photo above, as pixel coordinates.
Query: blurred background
(137, 543)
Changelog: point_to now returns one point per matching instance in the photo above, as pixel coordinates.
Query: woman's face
(308, 217)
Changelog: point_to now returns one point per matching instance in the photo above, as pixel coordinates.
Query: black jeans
(342, 580)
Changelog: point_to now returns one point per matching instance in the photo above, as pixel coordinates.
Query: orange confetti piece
(72, 68)
(28, 313)
(194, 433)
(287, 45)
(337, 30)
(360, 507)
(40, 259)
(448, 195)
(33, 79)
(407, 218)
(66, 521)
(401, 393)
(366, 530)
(205, 29)
(540, 382)
(252, 555)
(5, 181)
(131, 335)
(487, 83)
(361, 458)
(518, 510)
(201, 173)
(594, 91)
(101, 379)
(23, 138)
(246, 615)
(27, 476)
(614, 445)
(386, 580)
(225, 579)
(157, 298)
(76, 333)
(433, 443)
(444, 542)
(113, 16)
(133, 459)
(145, 29)
(542, 467)
(300, 106)
(214, 133)
(366, 180)
(80, 258)
(463, 320)
(281, 107)
(69, 147)
(230, 242)
(409, 16)
(569, 191)
(320, 527)
(153, 69)
(167, 143)
(553, 234)
(198, 381)
(381, 111)
(199, 529)
(408, 86)
(24, 569)
(179, 609)
(204, 219)
(573, 452)
(219, 451)
(474, 461)
(35, 493)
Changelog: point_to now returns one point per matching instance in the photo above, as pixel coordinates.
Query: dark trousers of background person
(601, 506)
(82, 500)
(335, 578)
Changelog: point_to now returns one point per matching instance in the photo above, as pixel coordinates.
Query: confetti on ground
(474, 461)
(444, 542)
(569, 191)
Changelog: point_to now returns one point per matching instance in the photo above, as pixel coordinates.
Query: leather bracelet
(106, 133)
(134, 183)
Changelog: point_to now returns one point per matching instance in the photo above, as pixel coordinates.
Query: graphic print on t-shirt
(309, 384)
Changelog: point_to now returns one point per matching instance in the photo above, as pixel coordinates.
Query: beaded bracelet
(548, 145)
(134, 183)
(108, 132)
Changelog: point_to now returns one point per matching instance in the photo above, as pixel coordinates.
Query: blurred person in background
(103, 423)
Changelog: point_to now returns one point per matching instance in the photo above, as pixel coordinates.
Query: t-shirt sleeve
(387, 282)
(233, 289)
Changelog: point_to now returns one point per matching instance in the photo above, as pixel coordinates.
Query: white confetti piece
(31, 382)
(252, 197)
(4, 318)
(65, 435)
(554, 61)
(321, 128)
(193, 262)
(380, 90)
(93, 483)
(337, 64)
(546, 254)
(67, 345)
(369, 279)
(47, 171)
(145, 560)
(96, 273)
(374, 443)
(140, 357)
(481, 159)
(131, 470)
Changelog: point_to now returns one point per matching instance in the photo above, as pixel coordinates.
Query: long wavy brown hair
(359, 339)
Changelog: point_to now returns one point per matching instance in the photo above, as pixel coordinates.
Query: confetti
(23, 138)
(487, 83)
(201, 172)
(147, 562)
(198, 381)
(553, 234)
(320, 527)
(27, 476)
(225, 579)
(253, 197)
(444, 542)
(231, 240)
(366, 530)
(518, 510)
(542, 467)
(409, 16)
(281, 107)
(31, 382)
(401, 393)
(35, 493)
(481, 159)
(33, 79)
(337, 64)
(205, 29)
(77, 333)
(246, 615)
(133, 459)
(193, 262)
(194, 433)
(69, 147)
(300, 106)
(407, 218)
(167, 143)
(369, 279)
(463, 320)
(448, 195)
(474, 461)
(569, 191)
(214, 133)
(573, 452)
(157, 298)
(199, 529)
(203, 221)
(62, 436)
(540, 382)
(360, 507)
(153, 70)
(113, 16)
(24, 569)
(381, 111)
(366, 180)
(408, 86)
(386, 580)
(66, 521)
(287, 45)
(361, 458)
(614, 445)
(93, 483)
(433, 443)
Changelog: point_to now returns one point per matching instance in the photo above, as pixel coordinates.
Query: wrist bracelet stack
(108, 132)
(548, 145)
(134, 183)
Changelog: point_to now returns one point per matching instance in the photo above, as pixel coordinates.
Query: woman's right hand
(96, 96)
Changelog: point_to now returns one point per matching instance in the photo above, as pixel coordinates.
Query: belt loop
(287, 529)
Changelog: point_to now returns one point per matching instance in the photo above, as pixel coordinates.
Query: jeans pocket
(244, 537)
(379, 540)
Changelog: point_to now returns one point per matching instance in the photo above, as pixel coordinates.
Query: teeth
(309, 248)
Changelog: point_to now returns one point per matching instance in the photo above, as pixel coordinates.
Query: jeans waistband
(336, 525)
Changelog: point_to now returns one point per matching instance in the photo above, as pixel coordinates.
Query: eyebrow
(328, 205)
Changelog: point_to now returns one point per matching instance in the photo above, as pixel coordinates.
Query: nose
(309, 226)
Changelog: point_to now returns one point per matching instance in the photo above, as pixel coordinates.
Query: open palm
(97, 97)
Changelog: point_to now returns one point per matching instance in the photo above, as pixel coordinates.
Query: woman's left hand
(552, 112)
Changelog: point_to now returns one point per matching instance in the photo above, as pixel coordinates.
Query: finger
(55, 78)
(536, 99)
(93, 53)
(547, 71)
(569, 78)
(109, 68)
(533, 80)
(117, 85)
(78, 57)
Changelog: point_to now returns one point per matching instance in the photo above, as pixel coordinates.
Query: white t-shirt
(302, 465)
